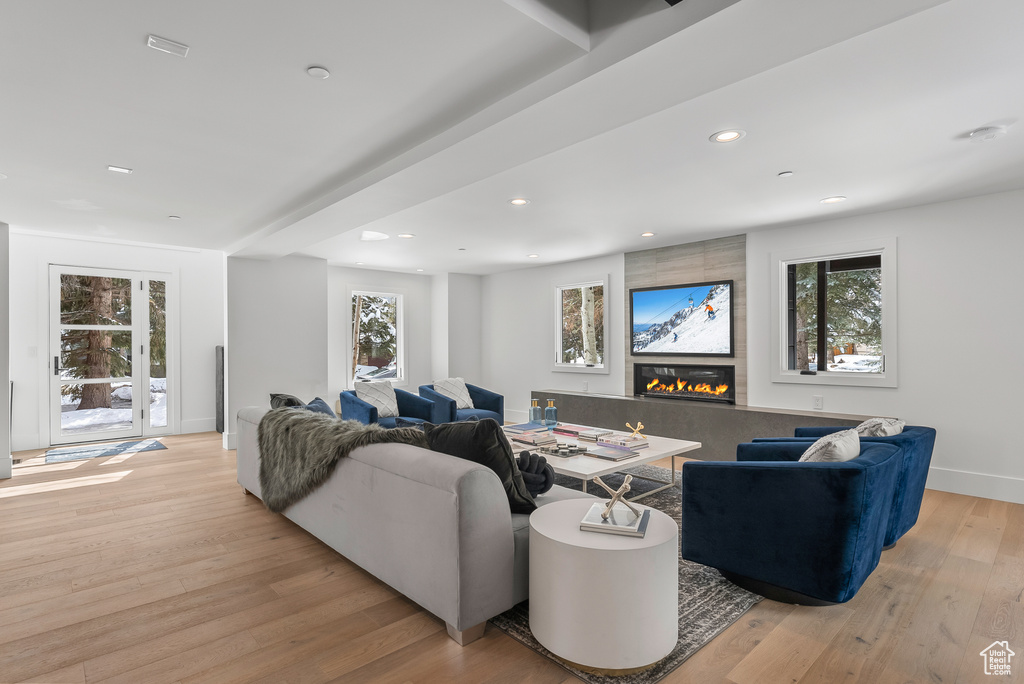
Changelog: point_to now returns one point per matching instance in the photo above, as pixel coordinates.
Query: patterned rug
(102, 450)
(708, 603)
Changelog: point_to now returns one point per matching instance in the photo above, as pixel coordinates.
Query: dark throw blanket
(299, 450)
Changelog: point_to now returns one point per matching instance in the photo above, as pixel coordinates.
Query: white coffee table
(586, 468)
(603, 601)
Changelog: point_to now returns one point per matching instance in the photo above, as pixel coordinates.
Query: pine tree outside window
(376, 337)
(581, 326)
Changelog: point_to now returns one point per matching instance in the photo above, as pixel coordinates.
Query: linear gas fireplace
(699, 383)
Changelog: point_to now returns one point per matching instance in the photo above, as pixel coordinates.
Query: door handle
(56, 366)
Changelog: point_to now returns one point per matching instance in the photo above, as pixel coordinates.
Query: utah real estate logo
(997, 658)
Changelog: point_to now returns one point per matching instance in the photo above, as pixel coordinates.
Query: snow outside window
(581, 326)
(377, 337)
(834, 315)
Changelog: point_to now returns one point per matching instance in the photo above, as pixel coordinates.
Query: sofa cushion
(455, 388)
(485, 443)
(279, 400)
(381, 395)
(880, 427)
(836, 447)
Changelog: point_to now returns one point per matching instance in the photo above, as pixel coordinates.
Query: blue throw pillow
(318, 405)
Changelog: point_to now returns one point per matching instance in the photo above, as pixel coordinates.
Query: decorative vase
(551, 414)
(536, 412)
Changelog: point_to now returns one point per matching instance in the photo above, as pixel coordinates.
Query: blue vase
(551, 414)
(536, 413)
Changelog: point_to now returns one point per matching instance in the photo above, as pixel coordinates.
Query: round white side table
(603, 601)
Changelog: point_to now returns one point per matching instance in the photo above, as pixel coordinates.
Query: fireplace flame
(657, 385)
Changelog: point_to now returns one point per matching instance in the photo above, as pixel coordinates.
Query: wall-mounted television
(682, 320)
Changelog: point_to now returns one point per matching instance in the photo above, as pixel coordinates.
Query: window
(581, 327)
(836, 315)
(376, 336)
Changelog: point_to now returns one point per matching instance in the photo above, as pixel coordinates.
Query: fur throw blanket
(299, 450)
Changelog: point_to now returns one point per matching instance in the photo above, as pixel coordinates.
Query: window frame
(557, 365)
(886, 247)
(401, 377)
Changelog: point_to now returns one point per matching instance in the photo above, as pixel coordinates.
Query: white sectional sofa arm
(436, 528)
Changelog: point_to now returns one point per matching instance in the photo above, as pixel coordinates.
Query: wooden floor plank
(159, 569)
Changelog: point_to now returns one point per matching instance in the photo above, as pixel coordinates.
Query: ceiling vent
(168, 46)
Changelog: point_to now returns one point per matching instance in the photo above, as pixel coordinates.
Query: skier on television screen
(711, 311)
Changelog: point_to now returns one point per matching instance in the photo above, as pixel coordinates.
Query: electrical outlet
(819, 402)
(585, 383)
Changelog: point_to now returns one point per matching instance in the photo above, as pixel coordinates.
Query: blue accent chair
(411, 408)
(807, 533)
(917, 443)
(486, 404)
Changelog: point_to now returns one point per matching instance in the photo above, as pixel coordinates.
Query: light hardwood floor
(157, 568)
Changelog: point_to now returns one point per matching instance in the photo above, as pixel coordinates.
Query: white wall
(417, 304)
(961, 367)
(463, 328)
(200, 281)
(518, 332)
(277, 332)
(6, 464)
(439, 326)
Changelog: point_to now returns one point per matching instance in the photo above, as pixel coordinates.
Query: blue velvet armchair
(412, 408)
(807, 533)
(486, 404)
(917, 443)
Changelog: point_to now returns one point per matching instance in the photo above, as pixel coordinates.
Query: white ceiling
(436, 114)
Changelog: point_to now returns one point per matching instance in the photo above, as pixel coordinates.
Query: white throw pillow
(881, 427)
(381, 395)
(836, 447)
(455, 388)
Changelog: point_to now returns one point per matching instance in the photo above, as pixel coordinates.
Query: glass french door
(108, 354)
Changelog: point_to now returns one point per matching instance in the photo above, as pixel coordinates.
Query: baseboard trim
(982, 485)
(516, 417)
(198, 425)
(230, 440)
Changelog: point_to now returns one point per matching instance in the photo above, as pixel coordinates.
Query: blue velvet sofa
(807, 533)
(486, 404)
(411, 408)
(917, 443)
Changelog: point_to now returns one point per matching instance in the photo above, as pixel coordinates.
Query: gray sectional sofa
(434, 527)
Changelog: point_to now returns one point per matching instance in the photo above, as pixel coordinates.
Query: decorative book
(610, 454)
(525, 427)
(621, 520)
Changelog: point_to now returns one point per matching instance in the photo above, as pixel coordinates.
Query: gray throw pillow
(881, 427)
(279, 400)
(836, 447)
(381, 395)
(455, 388)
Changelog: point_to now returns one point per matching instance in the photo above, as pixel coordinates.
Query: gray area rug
(708, 603)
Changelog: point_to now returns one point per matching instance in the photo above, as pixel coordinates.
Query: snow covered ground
(692, 331)
(73, 421)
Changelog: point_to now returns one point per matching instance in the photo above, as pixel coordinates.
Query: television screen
(682, 320)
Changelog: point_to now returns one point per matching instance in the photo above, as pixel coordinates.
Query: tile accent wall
(695, 262)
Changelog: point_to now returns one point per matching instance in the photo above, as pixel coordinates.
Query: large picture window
(581, 326)
(376, 336)
(835, 315)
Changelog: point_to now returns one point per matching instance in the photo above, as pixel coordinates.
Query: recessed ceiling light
(3, 176)
(986, 133)
(731, 135)
(785, 174)
(833, 200)
(406, 235)
(419, 270)
(519, 201)
(647, 234)
(168, 46)
(359, 263)
(119, 169)
(318, 72)
(370, 235)
(174, 218)
(533, 256)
